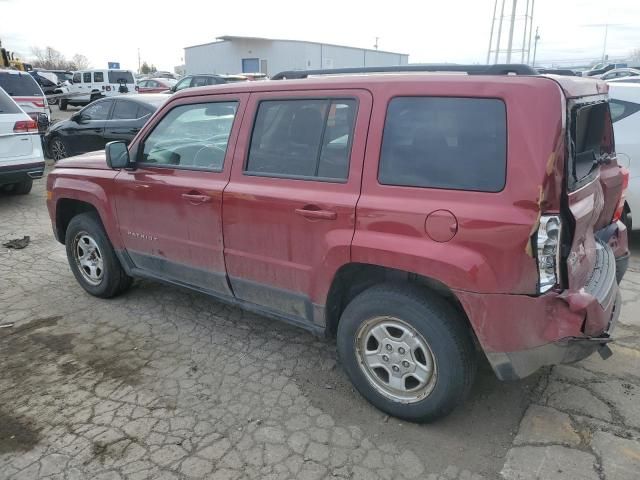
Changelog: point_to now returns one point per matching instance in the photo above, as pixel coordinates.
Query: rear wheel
(23, 188)
(63, 105)
(407, 351)
(92, 258)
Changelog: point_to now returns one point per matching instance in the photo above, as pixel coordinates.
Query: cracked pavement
(166, 383)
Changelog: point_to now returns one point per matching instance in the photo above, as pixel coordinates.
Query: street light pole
(535, 48)
(604, 46)
(511, 27)
(493, 23)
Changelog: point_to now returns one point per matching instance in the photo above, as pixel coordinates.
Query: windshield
(19, 85)
(120, 76)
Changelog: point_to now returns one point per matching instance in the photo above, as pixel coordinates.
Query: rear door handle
(313, 212)
(196, 198)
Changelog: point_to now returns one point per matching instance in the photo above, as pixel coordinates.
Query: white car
(21, 156)
(624, 101)
(89, 85)
(619, 73)
(26, 92)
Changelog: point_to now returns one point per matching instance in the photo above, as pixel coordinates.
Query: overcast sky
(429, 31)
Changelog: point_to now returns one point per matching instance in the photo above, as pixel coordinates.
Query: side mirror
(117, 155)
(76, 117)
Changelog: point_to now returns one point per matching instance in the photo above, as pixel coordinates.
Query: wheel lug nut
(389, 347)
(395, 368)
(401, 351)
(385, 358)
(405, 364)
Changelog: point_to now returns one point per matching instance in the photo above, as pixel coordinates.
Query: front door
(289, 209)
(170, 207)
(85, 133)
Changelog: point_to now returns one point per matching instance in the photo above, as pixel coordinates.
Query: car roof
(572, 86)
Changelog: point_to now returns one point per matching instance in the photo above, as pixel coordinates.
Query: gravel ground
(166, 383)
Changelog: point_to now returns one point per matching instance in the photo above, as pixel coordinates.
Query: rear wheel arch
(66, 209)
(354, 278)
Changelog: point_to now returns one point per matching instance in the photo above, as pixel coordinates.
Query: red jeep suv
(420, 218)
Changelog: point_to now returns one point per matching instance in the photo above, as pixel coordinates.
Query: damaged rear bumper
(520, 364)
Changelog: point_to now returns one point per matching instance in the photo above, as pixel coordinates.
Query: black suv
(205, 79)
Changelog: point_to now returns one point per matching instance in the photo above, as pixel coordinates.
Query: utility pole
(604, 46)
(138, 60)
(535, 47)
(511, 27)
(533, 4)
(376, 44)
(495, 60)
(493, 23)
(524, 35)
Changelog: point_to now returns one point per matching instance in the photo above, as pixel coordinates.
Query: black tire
(114, 279)
(58, 149)
(53, 101)
(447, 336)
(23, 188)
(63, 105)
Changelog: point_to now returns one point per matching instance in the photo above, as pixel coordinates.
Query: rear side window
(77, 78)
(302, 139)
(86, 77)
(452, 143)
(98, 77)
(117, 76)
(7, 105)
(621, 109)
(19, 85)
(191, 136)
(591, 141)
(125, 110)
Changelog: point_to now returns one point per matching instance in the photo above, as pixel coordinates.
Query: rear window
(438, 142)
(19, 85)
(116, 76)
(591, 141)
(7, 105)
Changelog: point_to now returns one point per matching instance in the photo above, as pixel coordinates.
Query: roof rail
(498, 69)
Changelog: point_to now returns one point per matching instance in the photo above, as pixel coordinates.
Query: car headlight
(548, 251)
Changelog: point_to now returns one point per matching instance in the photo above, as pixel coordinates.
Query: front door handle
(313, 212)
(196, 198)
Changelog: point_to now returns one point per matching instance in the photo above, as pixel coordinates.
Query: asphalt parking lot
(165, 383)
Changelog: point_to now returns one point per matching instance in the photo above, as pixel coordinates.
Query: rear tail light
(108, 87)
(25, 126)
(137, 88)
(547, 242)
(617, 215)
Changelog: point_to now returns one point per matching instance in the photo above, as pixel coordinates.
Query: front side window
(97, 110)
(125, 110)
(98, 77)
(86, 77)
(191, 136)
(445, 142)
(302, 138)
(184, 83)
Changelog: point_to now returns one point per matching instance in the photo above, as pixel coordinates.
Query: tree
(79, 62)
(48, 58)
(145, 69)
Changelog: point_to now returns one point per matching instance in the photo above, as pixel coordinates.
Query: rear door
(170, 207)
(126, 119)
(289, 209)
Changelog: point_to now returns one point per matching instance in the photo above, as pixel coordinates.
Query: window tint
(120, 76)
(7, 105)
(202, 81)
(76, 78)
(19, 85)
(144, 110)
(621, 109)
(125, 110)
(86, 77)
(98, 77)
(302, 138)
(437, 142)
(192, 136)
(98, 110)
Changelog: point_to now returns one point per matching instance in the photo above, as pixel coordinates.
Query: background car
(26, 92)
(48, 82)
(21, 158)
(89, 85)
(624, 102)
(602, 68)
(625, 80)
(100, 122)
(206, 79)
(156, 85)
(620, 73)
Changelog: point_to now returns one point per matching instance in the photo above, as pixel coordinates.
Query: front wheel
(63, 105)
(58, 149)
(92, 258)
(407, 351)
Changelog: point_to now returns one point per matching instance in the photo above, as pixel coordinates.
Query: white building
(229, 54)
